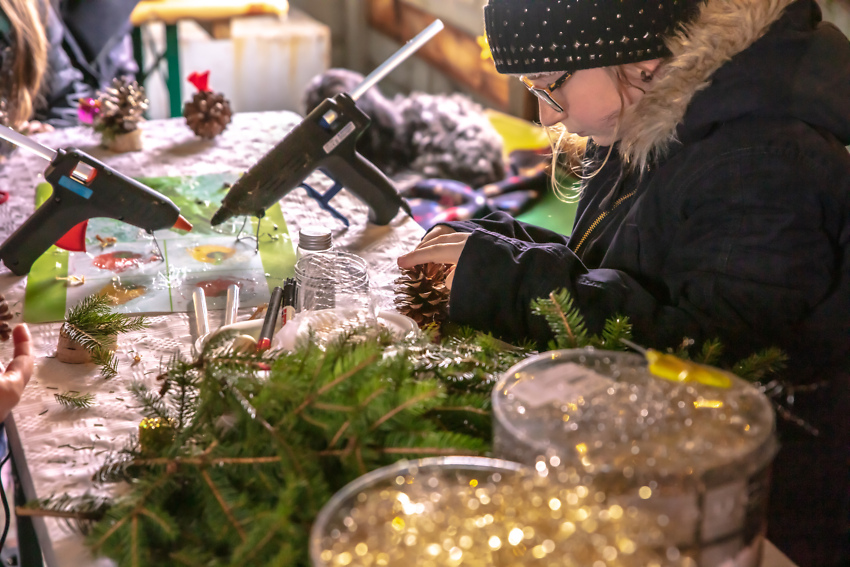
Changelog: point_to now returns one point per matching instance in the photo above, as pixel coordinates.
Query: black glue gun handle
(49, 223)
(368, 183)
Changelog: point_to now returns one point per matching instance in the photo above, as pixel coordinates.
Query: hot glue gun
(324, 140)
(83, 188)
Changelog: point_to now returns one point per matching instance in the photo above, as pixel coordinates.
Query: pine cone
(207, 114)
(422, 295)
(5, 316)
(122, 107)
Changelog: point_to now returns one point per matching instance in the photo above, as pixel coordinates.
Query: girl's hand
(18, 373)
(444, 248)
(435, 232)
(34, 127)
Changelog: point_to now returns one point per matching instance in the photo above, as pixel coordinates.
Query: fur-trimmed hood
(768, 58)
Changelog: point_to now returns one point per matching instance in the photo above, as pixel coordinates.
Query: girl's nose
(548, 115)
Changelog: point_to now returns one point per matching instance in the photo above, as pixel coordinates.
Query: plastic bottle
(313, 239)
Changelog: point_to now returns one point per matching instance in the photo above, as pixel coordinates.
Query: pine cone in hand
(422, 295)
(207, 114)
(122, 108)
(5, 316)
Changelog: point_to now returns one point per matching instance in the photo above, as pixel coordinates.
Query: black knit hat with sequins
(544, 36)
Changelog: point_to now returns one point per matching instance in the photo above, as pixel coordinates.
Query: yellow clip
(675, 369)
(485, 47)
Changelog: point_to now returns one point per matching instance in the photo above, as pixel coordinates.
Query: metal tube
(231, 309)
(202, 319)
(24, 142)
(397, 58)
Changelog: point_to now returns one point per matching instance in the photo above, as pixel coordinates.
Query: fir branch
(152, 404)
(563, 318)
(615, 330)
(339, 433)
(227, 510)
(562, 314)
(94, 325)
(134, 538)
(75, 400)
(406, 405)
(78, 513)
(116, 466)
(335, 382)
(206, 462)
(146, 491)
(94, 315)
(711, 352)
(756, 366)
(467, 409)
(364, 409)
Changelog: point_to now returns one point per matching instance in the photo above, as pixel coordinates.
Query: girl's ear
(646, 68)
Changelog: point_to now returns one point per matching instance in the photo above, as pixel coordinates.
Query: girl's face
(591, 101)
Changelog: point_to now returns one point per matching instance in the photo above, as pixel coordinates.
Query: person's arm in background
(18, 373)
(63, 84)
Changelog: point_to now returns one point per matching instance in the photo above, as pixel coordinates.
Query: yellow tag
(675, 369)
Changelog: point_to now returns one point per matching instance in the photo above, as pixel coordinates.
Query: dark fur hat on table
(435, 136)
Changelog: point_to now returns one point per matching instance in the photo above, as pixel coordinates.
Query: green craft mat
(47, 296)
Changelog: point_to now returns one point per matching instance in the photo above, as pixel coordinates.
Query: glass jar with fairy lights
(474, 511)
(697, 455)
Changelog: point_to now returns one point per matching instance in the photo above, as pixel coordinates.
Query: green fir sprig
(94, 325)
(77, 513)
(75, 399)
(569, 327)
(261, 442)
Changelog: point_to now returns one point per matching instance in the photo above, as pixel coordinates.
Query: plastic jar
(475, 511)
(699, 456)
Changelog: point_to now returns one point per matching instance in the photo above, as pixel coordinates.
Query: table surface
(59, 449)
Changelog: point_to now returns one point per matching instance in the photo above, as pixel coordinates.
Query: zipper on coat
(601, 217)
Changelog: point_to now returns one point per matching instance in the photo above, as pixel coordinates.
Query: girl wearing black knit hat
(715, 203)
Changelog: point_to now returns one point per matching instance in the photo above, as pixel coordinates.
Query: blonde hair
(29, 49)
(569, 149)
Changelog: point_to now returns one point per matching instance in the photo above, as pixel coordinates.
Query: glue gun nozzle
(220, 216)
(182, 224)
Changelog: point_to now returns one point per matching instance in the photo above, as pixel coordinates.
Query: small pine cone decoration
(208, 113)
(422, 295)
(5, 317)
(122, 108)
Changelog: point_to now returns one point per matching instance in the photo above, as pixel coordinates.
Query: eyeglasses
(544, 93)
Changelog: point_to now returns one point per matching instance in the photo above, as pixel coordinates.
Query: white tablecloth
(62, 447)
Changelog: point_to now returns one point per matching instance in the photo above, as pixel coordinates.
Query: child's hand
(440, 249)
(34, 127)
(437, 231)
(18, 373)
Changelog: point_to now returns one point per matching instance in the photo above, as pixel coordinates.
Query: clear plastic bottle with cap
(313, 239)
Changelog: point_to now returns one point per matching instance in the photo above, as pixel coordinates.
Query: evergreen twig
(79, 513)
(94, 325)
(75, 400)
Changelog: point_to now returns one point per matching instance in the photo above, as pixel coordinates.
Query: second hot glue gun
(324, 140)
(83, 188)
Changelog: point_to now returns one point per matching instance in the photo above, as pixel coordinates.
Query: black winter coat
(738, 229)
